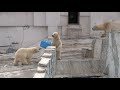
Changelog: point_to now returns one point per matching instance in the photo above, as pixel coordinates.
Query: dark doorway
(73, 17)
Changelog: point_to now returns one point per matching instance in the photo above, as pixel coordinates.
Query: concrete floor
(8, 70)
(29, 73)
(73, 65)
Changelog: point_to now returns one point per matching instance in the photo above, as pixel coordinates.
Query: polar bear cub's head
(56, 35)
(102, 26)
(35, 49)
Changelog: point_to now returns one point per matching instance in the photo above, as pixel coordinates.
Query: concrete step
(78, 67)
(71, 55)
(44, 62)
(75, 45)
(71, 50)
(97, 75)
(75, 53)
(65, 37)
(79, 41)
(41, 75)
(74, 50)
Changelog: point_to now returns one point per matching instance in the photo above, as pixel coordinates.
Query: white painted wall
(84, 19)
(52, 21)
(85, 23)
(12, 28)
(29, 36)
(16, 18)
(63, 22)
(63, 18)
(45, 23)
(41, 25)
(39, 18)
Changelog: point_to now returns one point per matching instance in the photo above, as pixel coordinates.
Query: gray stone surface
(28, 73)
(41, 69)
(39, 75)
(97, 48)
(72, 63)
(8, 70)
(63, 67)
(46, 65)
(113, 57)
(44, 62)
(78, 67)
(47, 55)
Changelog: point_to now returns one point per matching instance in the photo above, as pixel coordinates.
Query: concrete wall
(85, 23)
(84, 19)
(16, 18)
(110, 55)
(25, 28)
(41, 24)
(47, 64)
(52, 21)
(39, 18)
(88, 20)
(18, 34)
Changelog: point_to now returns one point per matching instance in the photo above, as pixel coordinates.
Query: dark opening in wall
(73, 17)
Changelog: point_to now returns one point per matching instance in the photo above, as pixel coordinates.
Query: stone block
(63, 67)
(47, 55)
(39, 75)
(84, 67)
(44, 62)
(41, 69)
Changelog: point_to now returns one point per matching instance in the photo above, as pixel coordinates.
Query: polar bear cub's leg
(29, 60)
(24, 61)
(58, 55)
(15, 62)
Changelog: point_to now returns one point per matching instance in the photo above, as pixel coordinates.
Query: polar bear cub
(24, 55)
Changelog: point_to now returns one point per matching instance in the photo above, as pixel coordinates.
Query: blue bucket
(44, 43)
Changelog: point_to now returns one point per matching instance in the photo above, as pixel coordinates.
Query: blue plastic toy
(44, 43)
